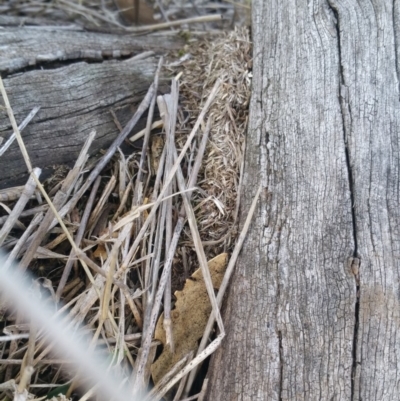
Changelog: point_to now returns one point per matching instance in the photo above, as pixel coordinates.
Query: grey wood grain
(74, 100)
(30, 46)
(368, 47)
(302, 322)
(72, 76)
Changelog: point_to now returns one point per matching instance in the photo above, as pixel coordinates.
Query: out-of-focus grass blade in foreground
(68, 343)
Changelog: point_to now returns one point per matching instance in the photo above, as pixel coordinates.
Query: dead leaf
(189, 318)
(100, 252)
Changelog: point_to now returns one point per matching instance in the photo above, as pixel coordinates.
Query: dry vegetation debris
(126, 15)
(130, 229)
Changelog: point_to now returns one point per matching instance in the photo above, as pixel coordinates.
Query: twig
(78, 238)
(148, 297)
(152, 271)
(169, 104)
(200, 251)
(141, 360)
(10, 194)
(121, 326)
(122, 174)
(87, 12)
(27, 213)
(163, 13)
(24, 123)
(195, 362)
(142, 133)
(48, 200)
(110, 152)
(165, 380)
(58, 240)
(139, 180)
(58, 201)
(163, 25)
(21, 393)
(17, 223)
(182, 383)
(15, 126)
(13, 337)
(173, 171)
(103, 199)
(225, 281)
(107, 287)
(21, 242)
(19, 206)
(14, 286)
(123, 201)
(73, 283)
(74, 290)
(181, 222)
(199, 396)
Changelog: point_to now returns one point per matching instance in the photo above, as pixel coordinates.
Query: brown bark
(304, 320)
(76, 78)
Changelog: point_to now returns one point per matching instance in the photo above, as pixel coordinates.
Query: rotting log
(77, 78)
(313, 309)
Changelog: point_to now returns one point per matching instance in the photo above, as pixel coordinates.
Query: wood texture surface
(74, 78)
(302, 323)
(37, 46)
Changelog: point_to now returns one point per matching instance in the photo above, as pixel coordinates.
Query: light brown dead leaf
(100, 252)
(189, 318)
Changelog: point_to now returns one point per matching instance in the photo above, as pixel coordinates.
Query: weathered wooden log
(77, 78)
(314, 311)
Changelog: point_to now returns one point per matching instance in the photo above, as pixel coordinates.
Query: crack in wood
(280, 365)
(346, 124)
(61, 60)
(25, 48)
(396, 59)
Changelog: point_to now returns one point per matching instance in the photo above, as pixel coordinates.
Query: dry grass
(151, 15)
(227, 58)
(113, 239)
